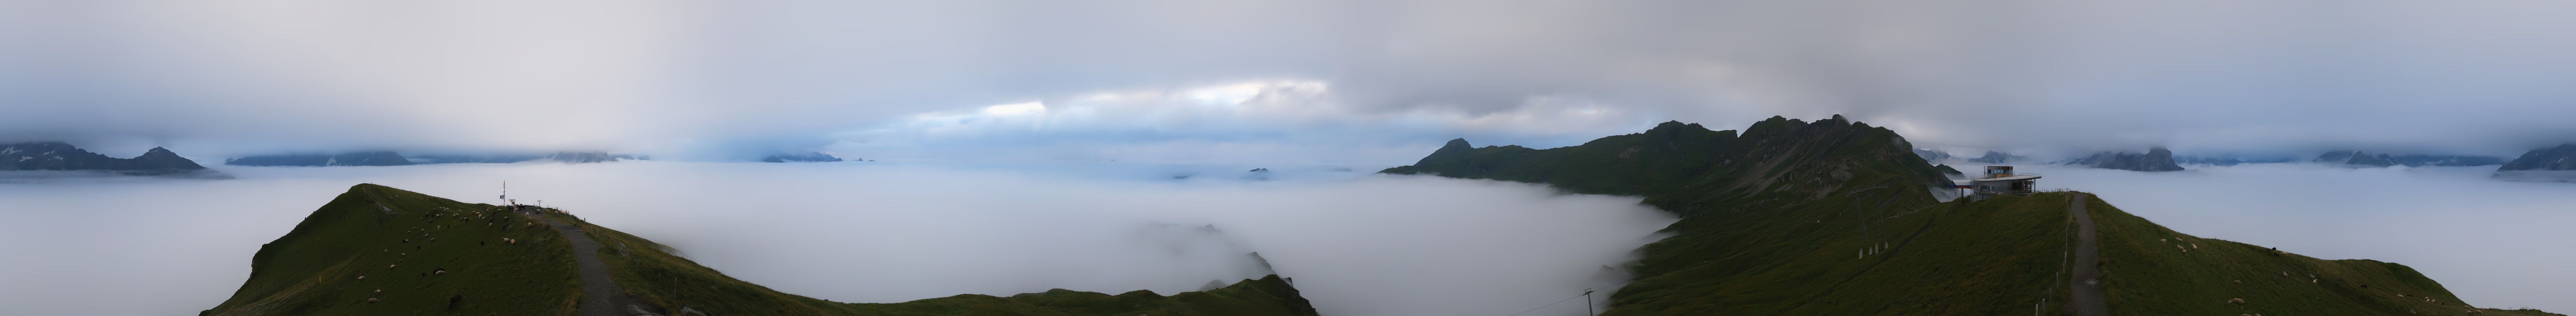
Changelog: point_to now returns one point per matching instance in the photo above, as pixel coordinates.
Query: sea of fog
(1354, 243)
(2499, 244)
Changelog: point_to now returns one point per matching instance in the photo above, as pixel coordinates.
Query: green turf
(1775, 222)
(314, 270)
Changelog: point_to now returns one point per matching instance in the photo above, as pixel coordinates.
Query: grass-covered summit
(1835, 217)
(377, 250)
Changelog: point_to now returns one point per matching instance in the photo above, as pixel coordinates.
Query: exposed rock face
(1995, 157)
(806, 157)
(2562, 157)
(2156, 159)
(62, 156)
(2359, 158)
(370, 158)
(1931, 154)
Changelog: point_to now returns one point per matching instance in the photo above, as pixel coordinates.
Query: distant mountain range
(389, 158)
(2359, 158)
(1996, 157)
(806, 157)
(2155, 159)
(1835, 217)
(65, 157)
(367, 158)
(431, 258)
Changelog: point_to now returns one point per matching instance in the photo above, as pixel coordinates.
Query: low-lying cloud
(1356, 244)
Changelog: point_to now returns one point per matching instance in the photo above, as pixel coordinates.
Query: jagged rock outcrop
(2156, 159)
(64, 156)
(2359, 158)
(806, 157)
(1995, 157)
(368, 158)
(1934, 155)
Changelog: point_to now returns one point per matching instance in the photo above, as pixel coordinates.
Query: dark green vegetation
(62, 156)
(369, 158)
(1840, 218)
(397, 240)
(401, 240)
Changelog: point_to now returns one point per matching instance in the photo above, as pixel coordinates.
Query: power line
(1586, 292)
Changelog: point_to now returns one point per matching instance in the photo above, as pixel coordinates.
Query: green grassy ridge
(313, 270)
(1772, 221)
(2147, 271)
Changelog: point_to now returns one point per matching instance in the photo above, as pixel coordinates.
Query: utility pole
(1587, 302)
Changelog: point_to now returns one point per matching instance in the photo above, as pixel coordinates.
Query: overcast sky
(1369, 82)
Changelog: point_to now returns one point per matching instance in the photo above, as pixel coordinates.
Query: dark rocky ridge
(2156, 159)
(367, 158)
(2360, 158)
(806, 157)
(63, 156)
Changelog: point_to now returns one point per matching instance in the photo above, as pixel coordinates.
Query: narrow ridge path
(2086, 286)
(600, 295)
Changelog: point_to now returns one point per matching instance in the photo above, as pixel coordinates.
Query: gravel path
(600, 295)
(2087, 284)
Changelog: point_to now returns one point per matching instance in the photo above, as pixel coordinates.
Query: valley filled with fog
(1354, 243)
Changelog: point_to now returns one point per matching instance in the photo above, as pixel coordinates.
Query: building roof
(2017, 177)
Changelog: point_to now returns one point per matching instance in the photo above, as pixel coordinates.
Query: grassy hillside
(401, 241)
(1834, 217)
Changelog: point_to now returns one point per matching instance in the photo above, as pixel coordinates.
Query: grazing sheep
(2195, 246)
(380, 291)
(2236, 281)
(390, 266)
(2160, 240)
(2237, 301)
(2312, 281)
(362, 277)
(371, 300)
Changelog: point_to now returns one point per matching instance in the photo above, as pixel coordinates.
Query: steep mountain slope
(377, 250)
(369, 158)
(1838, 218)
(62, 156)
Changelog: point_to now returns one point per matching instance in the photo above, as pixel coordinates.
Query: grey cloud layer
(2476, 77)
